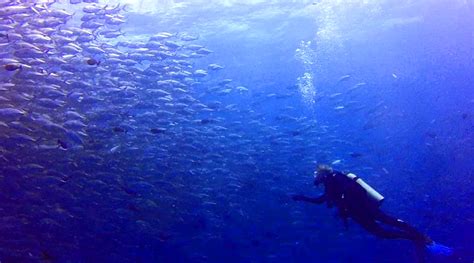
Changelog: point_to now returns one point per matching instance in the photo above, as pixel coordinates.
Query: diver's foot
(427, 240)
(438, 249)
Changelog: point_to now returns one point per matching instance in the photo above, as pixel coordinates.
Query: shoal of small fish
(101, 136)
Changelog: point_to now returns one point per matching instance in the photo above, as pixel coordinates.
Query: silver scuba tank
(371, 192)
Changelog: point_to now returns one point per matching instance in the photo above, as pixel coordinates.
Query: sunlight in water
(144, 6)
(150, 6)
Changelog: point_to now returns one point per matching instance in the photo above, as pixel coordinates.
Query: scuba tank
(371, 192)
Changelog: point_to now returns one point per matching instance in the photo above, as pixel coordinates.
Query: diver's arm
(316, 200)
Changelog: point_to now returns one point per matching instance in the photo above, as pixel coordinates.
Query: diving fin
(438, 249)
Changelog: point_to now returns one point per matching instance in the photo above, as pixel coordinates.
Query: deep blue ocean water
(151, 160)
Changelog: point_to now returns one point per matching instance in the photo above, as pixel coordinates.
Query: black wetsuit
(352, 201)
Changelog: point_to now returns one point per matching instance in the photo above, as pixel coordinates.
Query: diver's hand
(298, 197)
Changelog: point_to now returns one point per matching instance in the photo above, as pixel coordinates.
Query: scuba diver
(357, 200)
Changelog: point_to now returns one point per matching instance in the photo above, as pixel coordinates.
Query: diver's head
(321, 174)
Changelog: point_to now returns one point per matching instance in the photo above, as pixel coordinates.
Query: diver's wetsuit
(352, 201)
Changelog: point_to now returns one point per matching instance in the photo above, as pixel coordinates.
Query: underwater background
(176, 131)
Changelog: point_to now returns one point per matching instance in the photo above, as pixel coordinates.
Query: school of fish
(104, 140)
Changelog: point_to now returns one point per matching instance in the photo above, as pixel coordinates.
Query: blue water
(383, 89)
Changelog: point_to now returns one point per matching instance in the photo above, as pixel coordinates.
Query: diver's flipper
(438, 249)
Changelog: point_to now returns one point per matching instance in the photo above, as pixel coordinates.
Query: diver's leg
(369, 224)
(381, 232)
(422, 241)
(412, 232)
